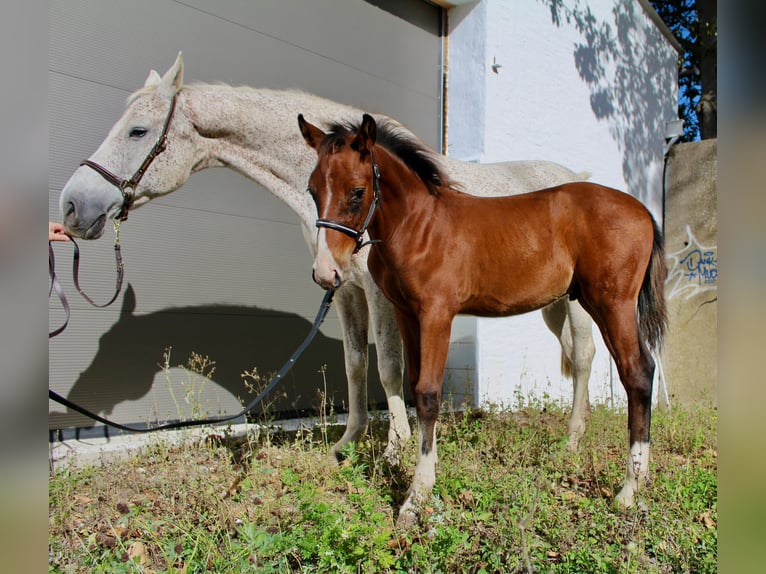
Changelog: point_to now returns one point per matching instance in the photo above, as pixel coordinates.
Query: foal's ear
(365, 137)
(312, 134)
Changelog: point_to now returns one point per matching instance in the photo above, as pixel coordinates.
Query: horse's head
(344, 188)
(132, 165)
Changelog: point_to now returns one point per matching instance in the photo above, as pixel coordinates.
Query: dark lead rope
(56, 285)
(324, 307)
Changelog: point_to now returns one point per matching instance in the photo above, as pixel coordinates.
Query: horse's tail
(652, 308)
(567, 370)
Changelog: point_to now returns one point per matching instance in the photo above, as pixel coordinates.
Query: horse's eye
(137, 133)
(358, 194)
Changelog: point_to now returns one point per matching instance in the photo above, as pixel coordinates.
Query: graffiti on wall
(693, 269)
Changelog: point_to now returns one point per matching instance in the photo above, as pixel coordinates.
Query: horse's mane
(219, 87)
(403, 145)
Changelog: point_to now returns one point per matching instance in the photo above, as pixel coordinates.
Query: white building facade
(588, 84)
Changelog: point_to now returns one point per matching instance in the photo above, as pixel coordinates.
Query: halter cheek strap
(358, 234)
(127, 187)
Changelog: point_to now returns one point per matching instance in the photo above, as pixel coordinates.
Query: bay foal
(439, 252)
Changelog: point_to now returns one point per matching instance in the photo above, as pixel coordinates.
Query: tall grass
(509, 497)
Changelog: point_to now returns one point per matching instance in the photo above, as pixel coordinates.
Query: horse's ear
(129, 301)
(153, 79)
(174, 77)
(367, 134)
(312, 134)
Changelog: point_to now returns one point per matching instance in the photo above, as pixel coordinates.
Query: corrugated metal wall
(219, 268)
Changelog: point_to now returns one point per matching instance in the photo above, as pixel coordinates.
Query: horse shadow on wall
(626, 80)
(237, 338)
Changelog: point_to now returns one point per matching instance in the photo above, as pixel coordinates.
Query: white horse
(253, 131)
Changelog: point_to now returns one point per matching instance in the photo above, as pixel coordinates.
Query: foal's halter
(127, 187)
(358, 234)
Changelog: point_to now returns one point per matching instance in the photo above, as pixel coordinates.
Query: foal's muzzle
(335, 284)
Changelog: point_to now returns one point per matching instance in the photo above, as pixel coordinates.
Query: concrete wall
(589, 85)
(689, 357)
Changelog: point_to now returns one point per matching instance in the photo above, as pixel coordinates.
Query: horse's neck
(406, 203)
(255, 132)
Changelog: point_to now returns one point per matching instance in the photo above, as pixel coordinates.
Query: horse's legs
(388, 346)
(581, 360)
(428, 340)
(636, 368)
(351, 307)
(572, 326)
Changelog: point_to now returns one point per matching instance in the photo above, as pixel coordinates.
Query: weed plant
(509, 497)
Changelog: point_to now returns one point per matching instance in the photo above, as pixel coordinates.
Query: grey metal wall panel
(218, 268)
(115, 43)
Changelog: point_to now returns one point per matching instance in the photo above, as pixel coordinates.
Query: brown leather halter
(127, 187)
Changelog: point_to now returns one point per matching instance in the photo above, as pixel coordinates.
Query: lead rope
(119, 265)
(324, 307)
(56, 285)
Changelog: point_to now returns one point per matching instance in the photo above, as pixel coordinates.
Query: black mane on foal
(413, 153)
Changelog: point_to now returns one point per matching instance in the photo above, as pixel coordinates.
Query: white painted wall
(588, 84)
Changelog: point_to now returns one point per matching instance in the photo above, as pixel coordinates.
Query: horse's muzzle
(84, 228)
(327, 282)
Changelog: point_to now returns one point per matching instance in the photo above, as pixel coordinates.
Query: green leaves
(509, 496)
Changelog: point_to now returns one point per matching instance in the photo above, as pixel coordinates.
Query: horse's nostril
(337, 281)
(69, 209)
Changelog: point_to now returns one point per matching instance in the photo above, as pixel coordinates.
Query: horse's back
(603, 202)
(507, 178)
(595, 225)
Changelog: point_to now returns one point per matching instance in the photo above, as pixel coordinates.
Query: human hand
(56, 232)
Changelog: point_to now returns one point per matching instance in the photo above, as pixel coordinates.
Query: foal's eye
(137, 133)
(358, 194)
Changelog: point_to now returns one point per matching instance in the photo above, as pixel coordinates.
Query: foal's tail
(652, 310)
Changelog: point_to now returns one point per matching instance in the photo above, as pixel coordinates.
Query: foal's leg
(351, 307)
(432, 346)
(573, 327)
(388, 346)
(636, 368)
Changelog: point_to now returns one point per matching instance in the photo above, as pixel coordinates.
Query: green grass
(509, 497)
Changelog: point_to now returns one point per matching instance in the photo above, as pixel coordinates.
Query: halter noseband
(358, 234)
(127, 187)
